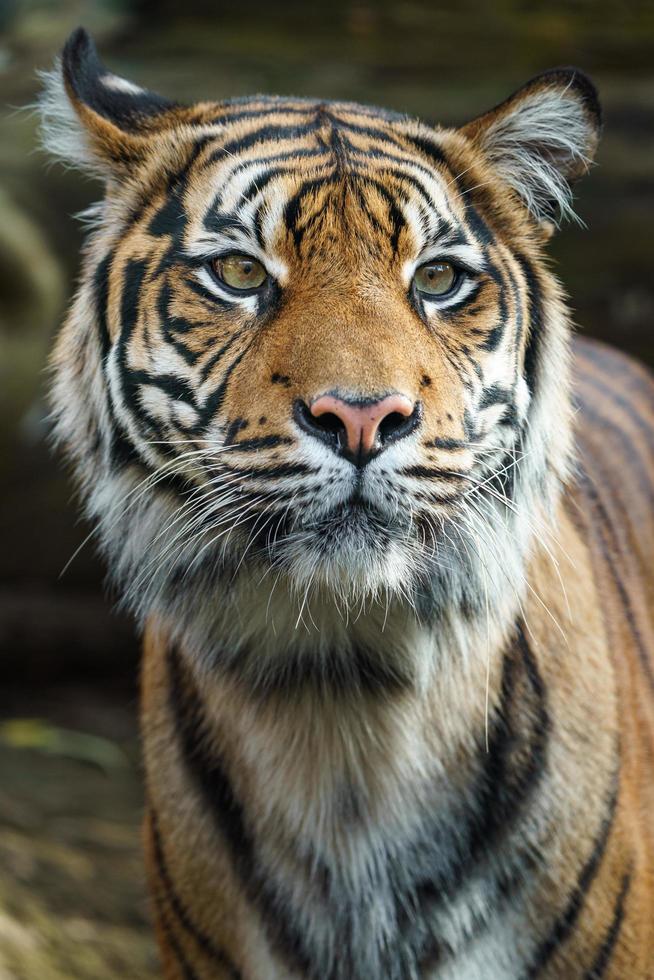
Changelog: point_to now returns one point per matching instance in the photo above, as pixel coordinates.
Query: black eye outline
(459, 275)
(210, 264)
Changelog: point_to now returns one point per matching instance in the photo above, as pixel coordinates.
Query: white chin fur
(357, 564)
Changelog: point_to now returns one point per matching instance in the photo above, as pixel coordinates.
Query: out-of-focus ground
(72, 903)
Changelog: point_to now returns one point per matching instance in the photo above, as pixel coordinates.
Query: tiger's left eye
(239, 271)
(435, 278)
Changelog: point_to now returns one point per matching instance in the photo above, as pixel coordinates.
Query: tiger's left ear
(542, 139)
(94, 119)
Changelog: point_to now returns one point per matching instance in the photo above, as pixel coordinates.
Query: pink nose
(365, 426)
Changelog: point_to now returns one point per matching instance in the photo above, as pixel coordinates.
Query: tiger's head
(316, 341)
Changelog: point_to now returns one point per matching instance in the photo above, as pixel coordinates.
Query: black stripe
(219, 222)
(258, 183)
(395, 216)
(605, 952)
(172, 942)
(372, 132)
(331, 675)
(174, 326)
(604, 523)
(516, 760)
(439, 443)
(472, 215)
(123, 451)
(214, 785)
(396, 158)
(535, 321)
(453, 308)
(433, 473)
(364, 209)
(283, 469)
(101, 290)
(133, 276)
(215, 400)
(176, 388)
(403, 178)
(210, 364)
(170, 218)
(512, 770)
(211, 299)
(233, 429)
(506, 781)
(261, 442)
(181, 913)
(294, 205)
(267, 134)
(495, 334)
(633, 456)
(230, 118)
(636, 374)
(494, 395)
(429, 148)
(566, 921)
(248, 105)
(287, 155)
(605, 388)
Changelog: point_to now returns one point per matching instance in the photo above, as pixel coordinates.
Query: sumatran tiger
(387, 528)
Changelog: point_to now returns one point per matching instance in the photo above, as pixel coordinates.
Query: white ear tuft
(62, 133)
(542, 139)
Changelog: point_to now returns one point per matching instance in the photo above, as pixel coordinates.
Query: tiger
(386, 526)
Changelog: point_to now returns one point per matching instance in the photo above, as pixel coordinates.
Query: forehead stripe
(434, 151)
(290, 154)
(267, 134)
(227, 118)
(376, 153)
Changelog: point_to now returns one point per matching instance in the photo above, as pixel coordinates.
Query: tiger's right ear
(94, 119)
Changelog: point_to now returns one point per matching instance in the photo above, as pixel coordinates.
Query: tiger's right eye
(435, 278)
(240, 272)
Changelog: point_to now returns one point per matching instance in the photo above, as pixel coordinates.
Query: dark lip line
(357, 502)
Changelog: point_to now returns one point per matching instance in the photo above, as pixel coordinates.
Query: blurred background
(72, 902)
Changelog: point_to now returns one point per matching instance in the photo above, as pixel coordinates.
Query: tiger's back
(612, 503)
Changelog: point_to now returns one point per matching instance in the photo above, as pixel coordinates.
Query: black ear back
(89, 83)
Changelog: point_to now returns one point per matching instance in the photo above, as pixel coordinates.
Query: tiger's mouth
(355, 516)
(354, 544)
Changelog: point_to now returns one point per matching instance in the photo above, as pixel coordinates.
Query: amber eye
(435, 278)
(239, 271)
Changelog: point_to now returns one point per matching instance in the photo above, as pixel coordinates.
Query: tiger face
(312, 339)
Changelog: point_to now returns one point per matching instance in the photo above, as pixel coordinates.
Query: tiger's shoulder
(614, 423)
(611, 496)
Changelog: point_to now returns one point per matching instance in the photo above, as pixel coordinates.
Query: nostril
(391, 423)
(397, 425)
(329, 422)
(327, 426)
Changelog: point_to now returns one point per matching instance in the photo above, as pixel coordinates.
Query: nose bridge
(360, 349)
